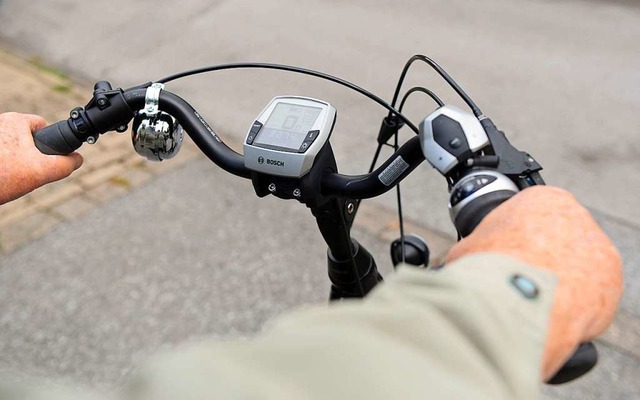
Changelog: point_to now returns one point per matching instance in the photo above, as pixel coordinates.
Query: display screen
(287, 126)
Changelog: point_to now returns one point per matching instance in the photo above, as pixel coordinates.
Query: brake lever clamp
(155, 134)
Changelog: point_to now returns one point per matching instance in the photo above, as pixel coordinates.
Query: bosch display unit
(287, 136)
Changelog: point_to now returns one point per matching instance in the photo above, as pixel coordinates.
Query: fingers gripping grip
(57, 139)
(585, 356)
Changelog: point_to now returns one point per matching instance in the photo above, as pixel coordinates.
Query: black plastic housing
(57, 139)
(473, 213)
(344, 278)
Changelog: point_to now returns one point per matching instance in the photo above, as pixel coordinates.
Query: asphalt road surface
(561, 78)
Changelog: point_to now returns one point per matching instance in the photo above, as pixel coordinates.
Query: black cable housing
(299, 70)
(443, 74)
(422, 90)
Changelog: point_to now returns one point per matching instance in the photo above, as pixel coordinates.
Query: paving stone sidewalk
(111, 166)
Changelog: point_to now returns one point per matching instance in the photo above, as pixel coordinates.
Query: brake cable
(395, 147)
(422, 90)
(443, 74)
(298, 70)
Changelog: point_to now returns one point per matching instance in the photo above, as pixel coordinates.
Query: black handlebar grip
(57, 139)
(582, 361)
(474, 212)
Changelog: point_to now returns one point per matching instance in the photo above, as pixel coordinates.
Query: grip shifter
(106, 111)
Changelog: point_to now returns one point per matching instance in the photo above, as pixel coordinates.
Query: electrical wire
(395, 147)
(404, 99)
(375, 158)
(290, 68)
(422, 90)
(443, 74)
(440, 103)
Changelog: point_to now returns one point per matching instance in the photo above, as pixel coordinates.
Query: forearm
(463, 332)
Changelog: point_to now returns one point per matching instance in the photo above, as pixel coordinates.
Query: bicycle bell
(156, 135)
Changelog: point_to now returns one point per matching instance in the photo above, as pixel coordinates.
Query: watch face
(287, 126)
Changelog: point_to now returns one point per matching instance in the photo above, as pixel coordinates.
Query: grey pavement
(98, 294)
(166, 262)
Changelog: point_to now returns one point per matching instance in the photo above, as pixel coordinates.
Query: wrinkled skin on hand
(547, 228)
(22, 167)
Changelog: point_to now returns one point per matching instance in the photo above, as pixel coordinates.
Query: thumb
(59, 167)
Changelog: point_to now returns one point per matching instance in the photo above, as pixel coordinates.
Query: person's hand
(547, 228)
(23, 167)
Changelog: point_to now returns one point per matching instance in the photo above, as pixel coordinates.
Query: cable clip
(152, 98)
(389, 127)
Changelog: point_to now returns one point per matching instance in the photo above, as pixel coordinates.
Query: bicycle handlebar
(113, 109)
(64, 137)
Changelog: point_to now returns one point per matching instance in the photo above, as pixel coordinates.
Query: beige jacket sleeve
(464, 332)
